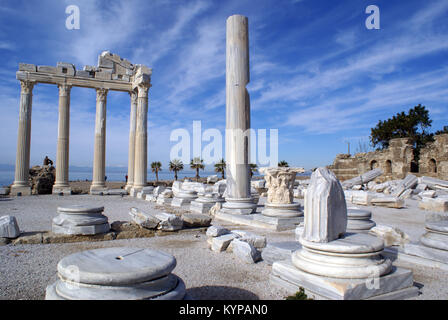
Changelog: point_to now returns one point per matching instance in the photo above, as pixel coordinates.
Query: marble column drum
(61, 184)
(141, 139)
(21, 183)
(132, 127)
(117, 274)
(99, 155)
(238, 199)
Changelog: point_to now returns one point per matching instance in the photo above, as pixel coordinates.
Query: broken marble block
(196, 220)
(216, 231)
(391, 236)
(256, 240)
(427, 194)
(80, 220)
(221, 243)
(434, 204)
(9, 227)
(212, 179)
(359, 197)
(169, 221)
(143, 219)
(245, 251)
(389, 202)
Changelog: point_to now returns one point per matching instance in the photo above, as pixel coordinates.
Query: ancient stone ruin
(112, 73)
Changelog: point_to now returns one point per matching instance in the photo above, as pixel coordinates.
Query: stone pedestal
(333, 264)
(359, 220)
(117, 274)
(80, 220)
(183, 196)
(204, 203)
(21, 185)
(61, 184)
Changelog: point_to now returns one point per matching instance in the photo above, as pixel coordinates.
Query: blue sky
(318, 75)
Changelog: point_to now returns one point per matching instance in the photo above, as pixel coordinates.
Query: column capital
(27, 86)
(101, 94)
(64, 89)
(134, 96)
(143, 89)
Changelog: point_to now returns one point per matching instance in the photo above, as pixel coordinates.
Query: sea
(114, 174)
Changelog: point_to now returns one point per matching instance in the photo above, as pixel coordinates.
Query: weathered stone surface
(427, 194)
(80, 220)
(434, 183)
(389, 202)
(143, 219)
(280, 184)
(245, 251)
(196, 220)
(42, 179)
(364, 178)
(391, 236)
(168, 221)
(29, 238)
(212, 179)
(215, 209)
(436, 204)
(259, 242)
(277, 251)
(359, 197)
(47, 69)
(66, 69)
(221, 243)
(359, 220)
(9, 227)
(325, 208)
(117, 274)
(216, 231)
(27, 67)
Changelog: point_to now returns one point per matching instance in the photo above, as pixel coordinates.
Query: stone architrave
(238, 197)
(280, 201)
(80, 220)
(99, 153)
(21, 183)
(117, 274)
(325, 208)
(333, 264)
(61, 184)
(132, 128)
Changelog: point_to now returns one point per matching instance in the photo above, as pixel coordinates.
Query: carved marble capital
(280, 184)
(143, 90)
(101, 94)
(64, 90)
(27, 87)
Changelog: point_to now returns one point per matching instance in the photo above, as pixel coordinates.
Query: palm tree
(197, 163)
(221, 167)
(253, 168)
(176, 165)
(156, 166)
(283, 163)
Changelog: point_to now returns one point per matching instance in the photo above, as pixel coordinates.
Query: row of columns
(137, 171)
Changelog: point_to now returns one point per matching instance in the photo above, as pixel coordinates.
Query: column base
(282, 210)
(98, 190)
(128, 187)
(65, 190)
(20, 190)
(239, 206)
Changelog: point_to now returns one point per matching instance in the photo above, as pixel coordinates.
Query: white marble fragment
(9, 227)
(245, 251)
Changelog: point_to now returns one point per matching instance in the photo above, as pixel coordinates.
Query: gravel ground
(25, 270)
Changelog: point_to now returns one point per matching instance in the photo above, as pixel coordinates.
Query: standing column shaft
(237, 116)
(62, 158)
(21, 179)
(141, 138)
(132, 128)
(99, 156)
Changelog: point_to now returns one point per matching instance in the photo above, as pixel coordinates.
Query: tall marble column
(141, 138)
(132, 127)
(238, 199)
(99, 155)
(62, 159)
(21, 180)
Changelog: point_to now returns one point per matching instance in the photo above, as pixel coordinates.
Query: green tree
(413, 125)
(197, 163)
(220, 167)
(156, 166)
(253, 168)
(283, 163)
(176, 165)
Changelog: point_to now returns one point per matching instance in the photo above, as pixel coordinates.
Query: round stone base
(282, 210)
(356, 256)
(239, 206)
(117, 274)
(80, 220)
(359, 220)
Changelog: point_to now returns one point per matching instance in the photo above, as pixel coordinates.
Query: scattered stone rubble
(246, 246)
